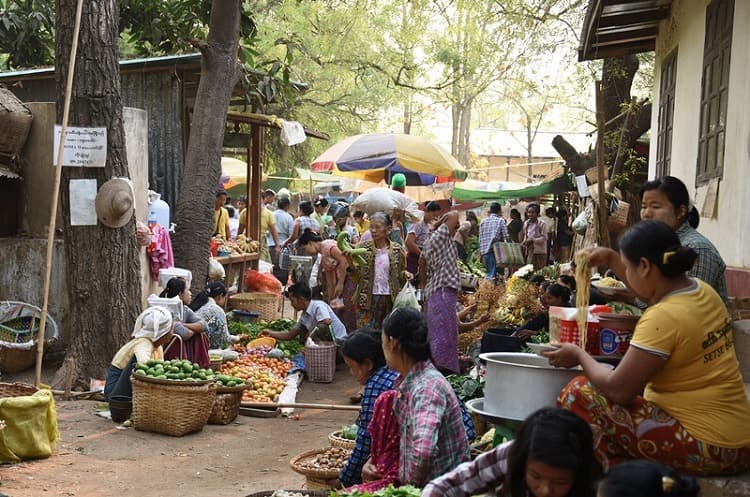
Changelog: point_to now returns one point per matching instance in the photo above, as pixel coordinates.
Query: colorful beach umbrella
(378, 156)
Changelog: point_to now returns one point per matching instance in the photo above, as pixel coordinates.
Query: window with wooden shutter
(714, 90)
(666, 114)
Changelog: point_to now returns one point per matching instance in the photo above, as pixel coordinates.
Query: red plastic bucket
(615, 332)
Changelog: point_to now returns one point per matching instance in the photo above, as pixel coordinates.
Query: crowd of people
(675, 404)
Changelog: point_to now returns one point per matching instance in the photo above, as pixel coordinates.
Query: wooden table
(235, 266)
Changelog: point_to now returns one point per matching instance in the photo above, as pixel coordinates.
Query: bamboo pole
(299, 405)
(601, 167)
(56, 192)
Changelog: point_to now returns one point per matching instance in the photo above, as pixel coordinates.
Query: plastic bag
(31, 427)
(216, 271)
(292, 133)
(407, 297)
(385, 200)
(580, 223)
(261, 282)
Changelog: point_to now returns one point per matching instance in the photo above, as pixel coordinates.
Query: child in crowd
(552, 456)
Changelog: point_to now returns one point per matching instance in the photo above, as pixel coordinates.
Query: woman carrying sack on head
(152, 330)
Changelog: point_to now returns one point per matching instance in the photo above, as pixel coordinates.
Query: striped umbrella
(378, 156)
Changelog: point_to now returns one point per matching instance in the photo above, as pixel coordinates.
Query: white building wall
(729, 230)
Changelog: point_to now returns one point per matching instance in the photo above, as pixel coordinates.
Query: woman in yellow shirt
(677, 397)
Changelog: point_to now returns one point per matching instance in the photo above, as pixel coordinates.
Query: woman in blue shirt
(363, 354)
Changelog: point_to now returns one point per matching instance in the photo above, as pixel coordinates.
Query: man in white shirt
(317, 319)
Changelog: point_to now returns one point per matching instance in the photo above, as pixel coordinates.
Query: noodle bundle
(583, 280)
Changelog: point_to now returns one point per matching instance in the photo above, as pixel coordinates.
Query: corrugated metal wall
(160, 94)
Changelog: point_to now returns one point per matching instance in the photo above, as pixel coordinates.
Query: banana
(342, 242)
(355, 253)
(358, 260)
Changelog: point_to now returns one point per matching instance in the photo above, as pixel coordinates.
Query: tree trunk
(102, 263)
(195, 205)
(456, 117)
(464, 135)
(578, 163)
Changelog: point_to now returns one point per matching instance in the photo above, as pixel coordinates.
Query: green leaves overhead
(27, 34)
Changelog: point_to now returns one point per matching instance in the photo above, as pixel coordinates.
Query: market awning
(613, 28)
(508, 191)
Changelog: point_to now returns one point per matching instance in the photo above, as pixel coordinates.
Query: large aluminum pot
(519, 384)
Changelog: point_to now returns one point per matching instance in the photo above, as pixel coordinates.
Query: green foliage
(27, 36)
(149, 32)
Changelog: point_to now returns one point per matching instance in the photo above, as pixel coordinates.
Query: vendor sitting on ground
(317, 319)
(363, 353)
(192, 329)
(554, 295)
(677, 396)
(152, 330)
(209, 306)
(432, 436)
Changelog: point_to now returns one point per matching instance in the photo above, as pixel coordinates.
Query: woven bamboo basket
(174, 410)
(226, 408)
(337, 440)
(15, 123)
(619, 219)
(16, 390)
(592, 175)
(16, 360)
(267, 305)
(316, 474)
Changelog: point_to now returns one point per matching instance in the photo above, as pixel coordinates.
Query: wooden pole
(56, 193)
(298, 405)
(601, 167)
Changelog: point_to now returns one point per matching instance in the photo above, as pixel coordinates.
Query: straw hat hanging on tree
(114, 203)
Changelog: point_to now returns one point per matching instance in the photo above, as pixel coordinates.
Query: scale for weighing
(300, 268)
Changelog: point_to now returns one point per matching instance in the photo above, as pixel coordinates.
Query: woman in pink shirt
(334, 267)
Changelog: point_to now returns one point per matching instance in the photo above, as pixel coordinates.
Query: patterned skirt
(380, 307)
(642, 430)
(348, 314)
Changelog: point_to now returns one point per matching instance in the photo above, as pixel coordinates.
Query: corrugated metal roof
(129, 65)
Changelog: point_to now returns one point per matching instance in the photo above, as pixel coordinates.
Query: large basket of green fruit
(172, 397)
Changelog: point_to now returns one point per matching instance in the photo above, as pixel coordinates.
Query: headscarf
(153, 323)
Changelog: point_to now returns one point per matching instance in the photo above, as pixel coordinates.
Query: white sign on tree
(84, 147)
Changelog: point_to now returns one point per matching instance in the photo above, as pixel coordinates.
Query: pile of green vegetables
(466, 387)
(473, 264)
(349, 432)
(389, 491)
(290, 347)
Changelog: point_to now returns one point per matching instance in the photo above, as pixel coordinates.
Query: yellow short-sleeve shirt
(700, 384)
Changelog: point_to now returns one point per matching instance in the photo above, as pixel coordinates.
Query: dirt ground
(99, 458)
